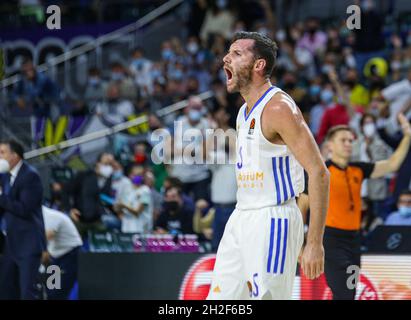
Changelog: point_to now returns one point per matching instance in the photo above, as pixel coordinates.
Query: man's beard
(244, 77)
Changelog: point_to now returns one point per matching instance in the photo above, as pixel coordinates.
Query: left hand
(405, 124)
(312, 260)
(45, 258)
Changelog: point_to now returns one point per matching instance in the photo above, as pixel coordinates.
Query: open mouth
(229, 74)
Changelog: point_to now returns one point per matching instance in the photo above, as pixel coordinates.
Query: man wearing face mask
(195, 177)
(402, 217)
(95, 88)
(22, 221)
(85, 190)
(120, 78)
(326, 101)
(135, 208)
(140, 68)
(176, 217)
(369, 147)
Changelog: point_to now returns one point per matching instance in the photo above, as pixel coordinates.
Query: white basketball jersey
(267, 174)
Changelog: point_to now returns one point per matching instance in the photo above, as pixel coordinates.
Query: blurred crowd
(335, 75)
(15, 14)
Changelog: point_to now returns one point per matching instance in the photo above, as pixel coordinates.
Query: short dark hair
(406, 192)
(333, 130)
(367, 115)
(264, 48)
(15, 147)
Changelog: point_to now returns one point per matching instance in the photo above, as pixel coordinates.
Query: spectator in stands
(369, 147)
(120, 78)
(369, 40)
(219, 19)
(195, 177)
(140, 69)
(397, 95)
(402, 217)
(116, 109)
(223, 181)
(96, 89)
(326, 94)
(156, 197)
(22, 222)
(59, 199)
(134, 207)
(176, 216)
(119, 181)
(203, 222)
(340, 114)
(85, 191)
(35, 91)
(63, 246)
(314, 40)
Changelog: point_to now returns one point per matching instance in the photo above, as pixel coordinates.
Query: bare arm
(50, 235)
(340, 92)
(393, 163)
(293, 130)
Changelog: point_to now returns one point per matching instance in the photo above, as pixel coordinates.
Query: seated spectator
(35, 92)
(119, 78)
(59, 199)
(176, 217)
(369, 147)
(134, 207)
(85, 191)
(156, 197)
(402, 217)
(140, 68)
(119, 182)
(195, 176)
(326, 101)
(170, 182)
(116, 109)
(203, 220)
(63, 246)
(95, 90)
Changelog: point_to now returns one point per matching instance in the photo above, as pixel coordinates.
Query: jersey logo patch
(252, 125)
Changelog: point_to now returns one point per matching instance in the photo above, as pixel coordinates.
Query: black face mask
(56, 195)
(351, 83)
(171, 205)
(289, 85)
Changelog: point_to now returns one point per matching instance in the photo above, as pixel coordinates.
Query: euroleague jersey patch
(252, 125)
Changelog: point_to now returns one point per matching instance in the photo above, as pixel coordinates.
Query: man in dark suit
(20, 209)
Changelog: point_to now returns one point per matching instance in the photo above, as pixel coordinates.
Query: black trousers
(19, 277)
(342, 250)
(68, 266)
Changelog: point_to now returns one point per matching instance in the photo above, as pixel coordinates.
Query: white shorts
(258, 253)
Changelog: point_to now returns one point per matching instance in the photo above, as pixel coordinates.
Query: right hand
(75, 214)
(21, 103)
(405, 124)
(312, 260)
(201, 204)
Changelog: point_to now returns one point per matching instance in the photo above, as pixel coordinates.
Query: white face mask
(4, 166)
(106, 171)
(369, 130)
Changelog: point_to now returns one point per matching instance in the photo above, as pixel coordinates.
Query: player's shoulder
(281, 103)
(281, 106)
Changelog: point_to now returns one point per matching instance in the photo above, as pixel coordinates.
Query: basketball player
(257, 256)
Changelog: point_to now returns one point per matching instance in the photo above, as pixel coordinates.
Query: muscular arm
(294, 132)
(282, 119)
(393, 163)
